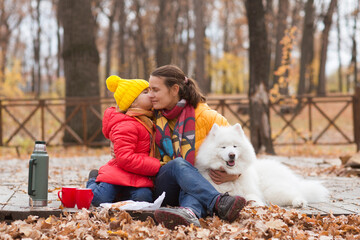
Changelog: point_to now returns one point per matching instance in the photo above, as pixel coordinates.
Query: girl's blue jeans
(185, 187)
(108, 193)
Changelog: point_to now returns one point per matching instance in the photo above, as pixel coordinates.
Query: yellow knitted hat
(125, 90)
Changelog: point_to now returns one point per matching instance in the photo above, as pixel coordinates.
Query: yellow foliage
(119, 233)
(228, 71)
(11, 88)
(59, 87)
(315, 66)
(284, 71)
(281, 80)
(274, 93)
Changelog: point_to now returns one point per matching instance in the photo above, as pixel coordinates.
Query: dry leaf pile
(253, 223)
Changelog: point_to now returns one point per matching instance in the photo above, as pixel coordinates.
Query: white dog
(261, 181)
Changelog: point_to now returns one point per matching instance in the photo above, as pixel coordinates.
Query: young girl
(130, 128)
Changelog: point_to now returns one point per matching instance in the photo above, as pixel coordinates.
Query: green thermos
(38, 175)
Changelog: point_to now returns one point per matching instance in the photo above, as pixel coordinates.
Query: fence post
(356, 112)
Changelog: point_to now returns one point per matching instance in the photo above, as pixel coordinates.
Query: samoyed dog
(261, 181)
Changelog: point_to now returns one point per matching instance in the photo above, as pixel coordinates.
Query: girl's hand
(220, 176)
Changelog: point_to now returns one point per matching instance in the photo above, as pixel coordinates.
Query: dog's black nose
(232, 156)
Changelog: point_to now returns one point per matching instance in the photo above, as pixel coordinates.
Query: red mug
(67, 196)
(84, 197)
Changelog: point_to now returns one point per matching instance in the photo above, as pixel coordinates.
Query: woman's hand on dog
(221, 176)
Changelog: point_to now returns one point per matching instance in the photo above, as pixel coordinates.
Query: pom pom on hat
(125, 90)
(112, 82)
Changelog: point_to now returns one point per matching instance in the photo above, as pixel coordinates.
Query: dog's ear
(214, 129)
(238, 128)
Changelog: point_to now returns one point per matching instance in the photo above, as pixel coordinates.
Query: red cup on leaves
(84, 197)
(67, 196)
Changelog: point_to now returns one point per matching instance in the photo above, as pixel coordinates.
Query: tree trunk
(109, 41)
(225, 81)
(199, 8)
(280, 33)
(37, 42)
(270, 28)
(295, 13)
(47, 65)
(354, 49)
(321, 88)
(4, 43)
(122, 70)
(141, 47)
(10, 18)
(163, 46)
(307, 48)
(340, 75)
(81, 62)
(58, 40)
(5, 33)
(186, 45)
(260, 133)
(354, 59)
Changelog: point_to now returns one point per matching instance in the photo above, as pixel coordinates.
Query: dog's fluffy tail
(314, 191)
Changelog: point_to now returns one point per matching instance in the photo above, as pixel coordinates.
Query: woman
(183, 120)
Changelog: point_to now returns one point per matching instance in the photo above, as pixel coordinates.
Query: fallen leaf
(277, 224)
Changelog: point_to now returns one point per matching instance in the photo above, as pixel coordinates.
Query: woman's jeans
(108, 193)
(185, 187)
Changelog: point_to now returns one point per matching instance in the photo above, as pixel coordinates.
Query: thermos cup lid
(40, 142)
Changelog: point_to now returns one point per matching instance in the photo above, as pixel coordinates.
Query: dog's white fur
(262, 181)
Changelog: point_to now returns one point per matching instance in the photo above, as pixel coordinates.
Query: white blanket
(132, 205)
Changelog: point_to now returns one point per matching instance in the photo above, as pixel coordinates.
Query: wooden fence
(332, 120)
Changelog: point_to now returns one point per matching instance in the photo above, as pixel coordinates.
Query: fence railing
(330, 120)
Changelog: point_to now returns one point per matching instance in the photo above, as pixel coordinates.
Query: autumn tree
(180, 26)
(260, 130)
(141, 43)
(58, 39)
(183, 39)
(199, 10)
(109, 41)
(11, 15)
(227, 69)
(353, 61)
(281, 21)
(163, 41)
(270, 23)
(321, 88)
(225, 18)
(340, 69)
(81, 62)
(121, 40)
(36, 70)
(307, 48)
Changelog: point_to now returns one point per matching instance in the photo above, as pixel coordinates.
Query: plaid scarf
(144, 117)
(179, 141)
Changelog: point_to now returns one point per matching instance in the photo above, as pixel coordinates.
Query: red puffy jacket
(132, 165)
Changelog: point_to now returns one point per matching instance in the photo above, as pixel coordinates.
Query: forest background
(284, 48)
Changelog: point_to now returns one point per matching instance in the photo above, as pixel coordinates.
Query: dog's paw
(254, 203)
(299, 203)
